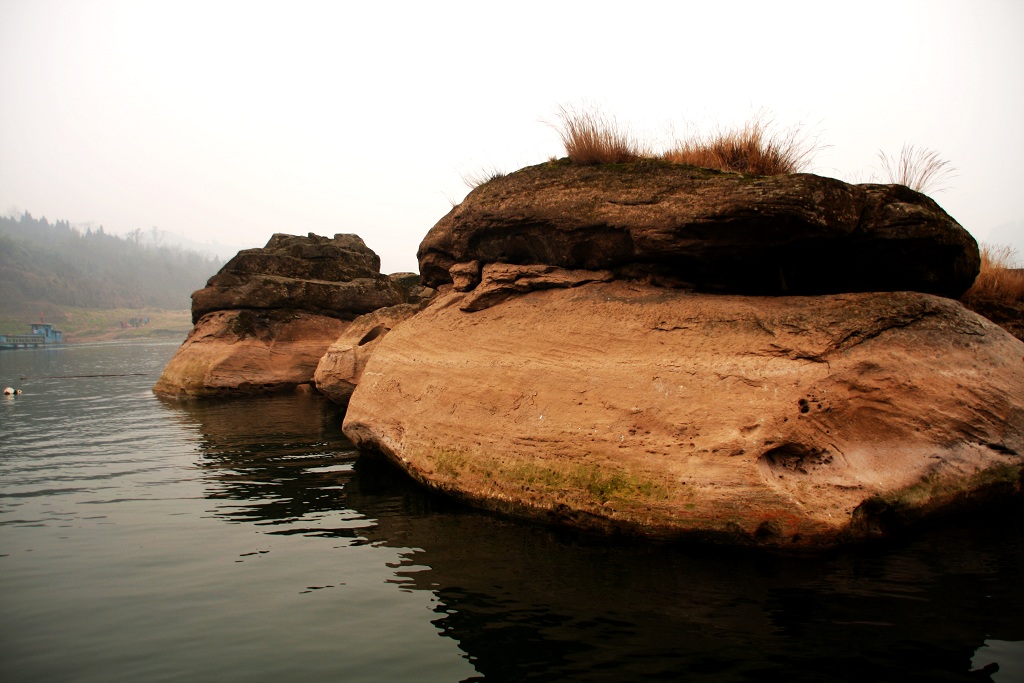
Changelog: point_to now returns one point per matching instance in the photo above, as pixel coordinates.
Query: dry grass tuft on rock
(919, 169)
(590, 137)
(998, 280)
(475, 179)
(754, 149)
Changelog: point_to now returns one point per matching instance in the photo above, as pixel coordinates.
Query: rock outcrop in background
(669, 351)
(264, 321)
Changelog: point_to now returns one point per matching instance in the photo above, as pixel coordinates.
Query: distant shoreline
(92, 325)
(126, 335)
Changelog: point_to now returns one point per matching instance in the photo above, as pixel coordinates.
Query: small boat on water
(43, 334)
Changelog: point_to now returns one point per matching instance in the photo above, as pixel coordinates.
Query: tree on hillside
(53, 262)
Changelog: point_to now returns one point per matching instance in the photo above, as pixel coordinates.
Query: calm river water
(142, 540)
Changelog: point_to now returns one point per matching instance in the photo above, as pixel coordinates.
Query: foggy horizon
(229, 121)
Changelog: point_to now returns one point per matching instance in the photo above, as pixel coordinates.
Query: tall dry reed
(475, 179)
(919, 169)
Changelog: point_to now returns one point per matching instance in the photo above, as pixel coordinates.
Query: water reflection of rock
(530, 603)
(281, 459)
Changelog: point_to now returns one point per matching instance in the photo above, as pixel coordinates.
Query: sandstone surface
(263, 322)
(774, 235)
(244, 352)
(622, 406)
(339, 370)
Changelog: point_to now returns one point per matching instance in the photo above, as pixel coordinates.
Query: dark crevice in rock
(795, 458)
(999, 448)
(372, 334)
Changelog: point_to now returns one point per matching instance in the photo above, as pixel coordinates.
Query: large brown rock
(624, 406)
(246, 352)
(789, 234)
(264, 321)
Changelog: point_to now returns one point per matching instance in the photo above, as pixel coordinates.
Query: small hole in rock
(372, 334)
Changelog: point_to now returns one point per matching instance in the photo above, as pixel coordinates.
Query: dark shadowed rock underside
(775, 235)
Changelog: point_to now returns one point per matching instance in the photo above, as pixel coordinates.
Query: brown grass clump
(919, 169)
(751, 149)
(592, 138)
(998, 280)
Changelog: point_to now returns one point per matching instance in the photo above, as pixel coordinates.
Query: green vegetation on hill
(50, 268)
(105, 324)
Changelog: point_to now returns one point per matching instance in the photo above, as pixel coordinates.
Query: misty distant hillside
(55, 263)
(155, 237)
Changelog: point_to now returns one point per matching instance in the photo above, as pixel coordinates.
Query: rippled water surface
(143, 540)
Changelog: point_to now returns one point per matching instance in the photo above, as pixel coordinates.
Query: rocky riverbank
(648, 349)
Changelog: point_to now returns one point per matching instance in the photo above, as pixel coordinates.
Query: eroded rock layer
(337, 277)
(776, 235)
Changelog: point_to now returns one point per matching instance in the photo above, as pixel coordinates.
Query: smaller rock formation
(263, 322)
(341, 367)
(336, 277)
(412, 288)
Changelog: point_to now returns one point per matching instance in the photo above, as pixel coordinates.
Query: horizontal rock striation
(337, 277)
(625, 407)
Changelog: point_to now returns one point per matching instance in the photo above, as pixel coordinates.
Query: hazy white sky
(229, 121)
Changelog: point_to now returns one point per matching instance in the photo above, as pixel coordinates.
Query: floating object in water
(8, 391)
